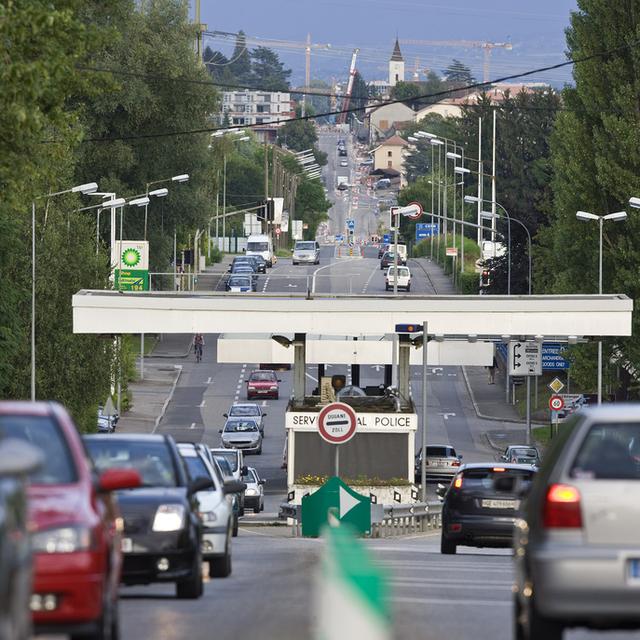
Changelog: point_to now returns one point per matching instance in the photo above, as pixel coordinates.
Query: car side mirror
(226, 415)
(243, 250)
(233, 486)
(264, 415)
(118, 480)
(262, 482)
(219, 430)
(279, 379)
(244, 471)
(441, 489)
(200, 484)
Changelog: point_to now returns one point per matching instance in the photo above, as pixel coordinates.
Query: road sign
(525, 358)
(386, 238)
(556, 385)
(346, 504)
(337, 423)
(131, 279)
(556, 403)
(413, 211)
(452, 252)
(339, 237)
(552, 358)
(351, 224)
(426, 230)
(277, 232)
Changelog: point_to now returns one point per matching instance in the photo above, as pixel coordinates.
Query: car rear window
(440, 452)
(46, 434)
(152, 460)
(245, 410)
(610, 451)
(196, 467)
(263, 376)
(484, 478)
(305, 246)
(231, 457)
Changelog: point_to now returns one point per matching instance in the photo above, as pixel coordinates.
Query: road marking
(201, 404)
(446, 416)
(311, 377)
(264, 403)
(209, 380)
(452, 375)
(193, 425)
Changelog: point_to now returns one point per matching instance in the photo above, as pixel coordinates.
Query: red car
(262, 384)
(75, 525)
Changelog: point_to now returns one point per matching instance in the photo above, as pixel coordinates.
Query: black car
(162, 535)
(476, 511)
(382, 249)
(258, 263)
(17, 459)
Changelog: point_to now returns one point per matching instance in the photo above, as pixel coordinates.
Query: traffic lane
(286, 277)
(347, 275)
(454, 597)
(268, 595)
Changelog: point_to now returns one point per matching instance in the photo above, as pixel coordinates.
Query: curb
(170, 355)
(168, 399)
(492, 418)
(248, 524)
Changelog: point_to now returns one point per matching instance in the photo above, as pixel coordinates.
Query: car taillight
(562, 507)
(457, 483)
(455, 463)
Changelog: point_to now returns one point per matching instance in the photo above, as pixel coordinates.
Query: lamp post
(99, 208)
(160, 193)
(618, 216)
(85, 189)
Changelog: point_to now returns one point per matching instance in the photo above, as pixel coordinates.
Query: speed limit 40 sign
(556, 403)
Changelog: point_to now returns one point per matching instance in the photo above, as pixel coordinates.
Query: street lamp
(585, 216)
(84, 189)
(107, 204)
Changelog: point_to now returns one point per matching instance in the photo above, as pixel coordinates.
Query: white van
(402, 252)
(261, 246)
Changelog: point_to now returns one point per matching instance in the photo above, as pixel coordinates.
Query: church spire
(396, 56)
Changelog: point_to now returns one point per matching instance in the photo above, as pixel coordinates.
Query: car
(240, 283)
(225, 470)
(162, 527)
(248, 409)
(476, 511)
(234, 459)
(306, 251)
(403, 278)
(73, 519)
(263, 384)
(215, 506)
(442, 461)
(113, 417)
(521, 454)
(254, 493)
(382, 249)
(576, 546)
(344, 163)
(256, 261)
(245, 268)
(18, 459)
(105, 425)
(342, 186)
(387, 260)
(242, 433)
(342, 152)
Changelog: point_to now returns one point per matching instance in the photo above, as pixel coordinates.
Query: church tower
(396, 66)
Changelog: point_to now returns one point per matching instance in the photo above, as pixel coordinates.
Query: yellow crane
(487, 48)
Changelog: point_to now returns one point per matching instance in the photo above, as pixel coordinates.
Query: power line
(476, 85)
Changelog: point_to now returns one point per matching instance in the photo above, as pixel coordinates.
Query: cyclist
(198, 344)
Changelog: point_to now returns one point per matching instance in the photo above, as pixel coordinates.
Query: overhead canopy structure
(112, 312)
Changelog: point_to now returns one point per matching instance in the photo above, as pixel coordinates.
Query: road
(269, 592)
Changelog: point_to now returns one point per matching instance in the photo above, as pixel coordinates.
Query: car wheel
(262, 506)
(192, 587)
(221, 567)
(107, 627)
(234, 530)
(259, 451)
(537, 627)
(518, 626)
(408, 287)
(447, 547)
(257, 509)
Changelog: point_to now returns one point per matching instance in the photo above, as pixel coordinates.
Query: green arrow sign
(347, 504)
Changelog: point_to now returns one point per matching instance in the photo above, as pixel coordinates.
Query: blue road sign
(426, 230)
(386, 238)
(339, 237)
(552, 358)
(351, 224)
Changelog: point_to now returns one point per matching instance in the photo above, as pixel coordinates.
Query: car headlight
(251, 492)
(273, 387)
(208, 517)
(62, 540)
(169, 517)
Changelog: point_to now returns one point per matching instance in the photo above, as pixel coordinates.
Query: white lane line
(209, 380)
(201, 404)
(452, 601)
(193, 425)
(366, 286)
(450, 583)
(264, 403)
(311, 377)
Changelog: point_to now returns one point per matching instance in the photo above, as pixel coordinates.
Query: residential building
(262, 110)
(389, 154)
(387, 117)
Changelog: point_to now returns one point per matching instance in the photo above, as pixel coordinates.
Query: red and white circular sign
(556, 403)
(419, 211)
(278, 231)
(337, 423)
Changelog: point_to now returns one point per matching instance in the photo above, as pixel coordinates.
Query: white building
(265, 111)
(396, 66)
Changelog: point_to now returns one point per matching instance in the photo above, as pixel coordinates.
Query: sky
(535, 30)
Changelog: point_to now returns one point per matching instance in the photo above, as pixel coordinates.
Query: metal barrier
(387, 521)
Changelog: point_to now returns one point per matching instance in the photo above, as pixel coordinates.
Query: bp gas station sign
(131, 265)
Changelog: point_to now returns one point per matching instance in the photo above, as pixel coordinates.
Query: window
(390, 165)
(389, 154)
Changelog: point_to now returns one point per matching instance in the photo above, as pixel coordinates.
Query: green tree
(458, 74)
(267, 72)
(298, 135)
(240, 61)
(311, 205)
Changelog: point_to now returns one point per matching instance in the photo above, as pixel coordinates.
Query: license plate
(127, 545)
(262, 391)
(500, 504)
(633, 570)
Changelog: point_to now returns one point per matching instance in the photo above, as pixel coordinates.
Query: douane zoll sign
(337, 423)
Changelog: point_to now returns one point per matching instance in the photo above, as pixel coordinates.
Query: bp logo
(131, 257)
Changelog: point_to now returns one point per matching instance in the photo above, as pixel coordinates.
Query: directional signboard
(426, 230)
(386, 238)
(337, 423)
(346, 504)
(552, 358)
(339, 237)
(525, 358)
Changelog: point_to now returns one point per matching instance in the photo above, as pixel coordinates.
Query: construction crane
(342, 118)
(487, 47)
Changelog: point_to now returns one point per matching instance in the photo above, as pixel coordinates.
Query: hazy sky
(536, 30)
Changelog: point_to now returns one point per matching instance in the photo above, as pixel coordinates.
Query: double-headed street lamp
(85, 189)
(160, 193)
(618, 216)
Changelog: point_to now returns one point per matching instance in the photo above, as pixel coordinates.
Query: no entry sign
(337, 423)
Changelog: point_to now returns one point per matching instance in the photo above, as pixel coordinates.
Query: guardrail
(387, 520)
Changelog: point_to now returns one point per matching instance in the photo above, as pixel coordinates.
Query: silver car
(248, 410)
(242, 433)
(254, 493)
(442, 462)
(577, 545)
(306, 251)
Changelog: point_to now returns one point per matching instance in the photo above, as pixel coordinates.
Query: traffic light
(394, 218)
(485, 278)
(269, 210)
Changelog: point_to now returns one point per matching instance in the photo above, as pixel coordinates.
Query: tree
(320, 103)
(311, 205)
(297, 135)
(267, 72)
(359, 95)
(458, 74)
(240, 61)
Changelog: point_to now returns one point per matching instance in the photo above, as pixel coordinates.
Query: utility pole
(266, 185)
(307, 74)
